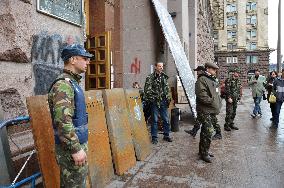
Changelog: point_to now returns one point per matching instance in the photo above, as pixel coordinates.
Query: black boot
(217, 136)
(206, 158)
(227, 128)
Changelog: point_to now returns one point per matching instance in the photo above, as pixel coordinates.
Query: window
(251, 46)
(231, 8)
(251, 19)
(252, 59)
(215, 47)
(251, 6)
(232, 59)
(251, 34)
(231, 20)
(232, 46)
(232, 34)
(215, 35)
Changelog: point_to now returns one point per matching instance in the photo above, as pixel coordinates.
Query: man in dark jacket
(157, 94)
(278, 86)
(208, 104)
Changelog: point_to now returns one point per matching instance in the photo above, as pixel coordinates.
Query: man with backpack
(232, 96)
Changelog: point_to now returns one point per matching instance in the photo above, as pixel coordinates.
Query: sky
(273, 28)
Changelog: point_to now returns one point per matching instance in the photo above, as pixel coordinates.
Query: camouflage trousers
(214, 121)
(231, 109)
(207, 130)
(71, 176)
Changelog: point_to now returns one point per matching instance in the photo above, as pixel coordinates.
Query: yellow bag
(272, 98)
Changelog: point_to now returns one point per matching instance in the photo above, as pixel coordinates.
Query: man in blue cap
(70, 121)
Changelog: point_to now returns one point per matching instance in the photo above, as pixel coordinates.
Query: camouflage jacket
(61, 103)
(233, 88)
(156, 88)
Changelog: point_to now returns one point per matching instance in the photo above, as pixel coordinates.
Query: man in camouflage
(208, 104)
(68, 112)
(157, 93)
(232, 96)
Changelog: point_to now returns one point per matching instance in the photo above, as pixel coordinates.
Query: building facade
(243, 40)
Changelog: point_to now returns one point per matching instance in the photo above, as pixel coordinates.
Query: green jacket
(233, 88)
(208, 100)
(156, 88)
(257, 88)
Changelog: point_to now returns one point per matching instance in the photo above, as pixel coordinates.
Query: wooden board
(140, 135)
(99, 154)
(44, 139)
(119, 130)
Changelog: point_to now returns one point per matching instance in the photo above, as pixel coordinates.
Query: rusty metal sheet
(44, 140)
(119, 130)
(99, 154)
(140, 134)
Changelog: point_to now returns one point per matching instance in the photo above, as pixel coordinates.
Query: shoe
(154, 141)
(167, 138)
(234, 127)
(193, 133)
(210, 154)
(253, 115)
(227, 128)
(206, 158)
(217, 136)
(259, 115)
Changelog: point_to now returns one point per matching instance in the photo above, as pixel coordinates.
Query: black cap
(200, 68)
(74, 50)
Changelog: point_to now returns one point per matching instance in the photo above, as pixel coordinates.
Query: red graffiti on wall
(135, 66)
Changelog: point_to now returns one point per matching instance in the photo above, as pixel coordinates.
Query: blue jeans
(257, 109)
(278, 105)
(163, 111)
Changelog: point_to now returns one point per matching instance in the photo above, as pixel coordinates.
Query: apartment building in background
(243, 40)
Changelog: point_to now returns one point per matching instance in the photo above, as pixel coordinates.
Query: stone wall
(245, 68)
(29, 54)
(205, 44)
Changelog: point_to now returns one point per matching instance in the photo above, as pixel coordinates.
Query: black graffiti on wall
(46, 59)
(47, 49)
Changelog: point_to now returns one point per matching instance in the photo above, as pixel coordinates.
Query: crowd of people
(70, 120)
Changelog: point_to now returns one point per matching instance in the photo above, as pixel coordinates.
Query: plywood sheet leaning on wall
(99, 154)
(44, 139)
(140, 135)
(119, 130)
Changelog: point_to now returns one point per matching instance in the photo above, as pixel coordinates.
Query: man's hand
(230, 100)
(80, 158)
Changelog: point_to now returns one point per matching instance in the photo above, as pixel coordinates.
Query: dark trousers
(273, 108)
(163, 111)
(278, 105)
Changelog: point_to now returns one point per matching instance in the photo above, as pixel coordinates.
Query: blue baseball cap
(74, 50)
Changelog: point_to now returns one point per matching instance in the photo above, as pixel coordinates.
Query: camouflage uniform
(157, 94)
(233, 91)
(208, 104)
(61, 102)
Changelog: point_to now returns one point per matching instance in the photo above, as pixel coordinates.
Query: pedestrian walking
(233, 88)
(257, 83)
(278, 89)
(70, 121)
(157, 94)
(269, 88)
(208, 104)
